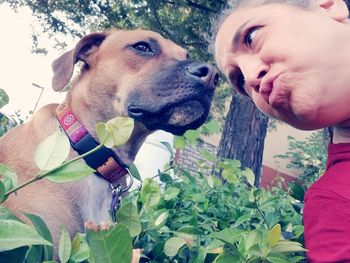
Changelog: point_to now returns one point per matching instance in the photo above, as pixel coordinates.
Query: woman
(292, 58)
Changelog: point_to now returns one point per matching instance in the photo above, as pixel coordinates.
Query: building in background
(154, 155)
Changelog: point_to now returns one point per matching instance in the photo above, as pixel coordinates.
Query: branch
(201, 7)
(155, 13)
(107, 11)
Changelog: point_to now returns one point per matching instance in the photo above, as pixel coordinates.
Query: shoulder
(335, 183)
(326, 217)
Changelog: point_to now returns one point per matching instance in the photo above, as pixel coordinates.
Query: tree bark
(243, 135)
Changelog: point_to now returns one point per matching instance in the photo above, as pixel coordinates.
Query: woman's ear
(337, 9)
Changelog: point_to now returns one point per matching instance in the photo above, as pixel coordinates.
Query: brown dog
(125, 73)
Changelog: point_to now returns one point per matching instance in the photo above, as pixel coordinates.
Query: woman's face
(293, 63)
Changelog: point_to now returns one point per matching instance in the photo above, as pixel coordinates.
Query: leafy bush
(308, 156)
(185, 218)
(197, 218)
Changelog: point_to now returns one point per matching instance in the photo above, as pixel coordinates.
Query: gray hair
(233, 5)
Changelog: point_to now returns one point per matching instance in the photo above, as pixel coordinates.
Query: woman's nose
(254, 71)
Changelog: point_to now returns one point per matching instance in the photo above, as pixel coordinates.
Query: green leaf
(165, 178)
(212, 127)
(14, 234)
(76, 243)
(172, 246)
(115, 132)
(9, 173)
(242, 219)
(215, 246)
(171, 193)
(277, 258)
(35, 254)
(227, 259)
(179, 142)
(200, 256)
(4, 98)
(150, 193)
(80, 249)
(210, 181)
(298, 230)
(43, 231)
(208, 156)
(70, 172)
(128, 216)
(231, 177)
(110, 246)
(228, 235)
(122, 128)
(161, 219)
(284, 246)
(2, 191)
(65, 245)
(192, 135)
(252, 238)
(274, 235)
(169, 148)
(249, 175)
(7, 214)
(52, 151)
(135, 172)
(104, 134)
(296, 191)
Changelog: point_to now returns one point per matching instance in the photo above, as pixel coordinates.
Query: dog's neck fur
(104, 112)
(96, 198)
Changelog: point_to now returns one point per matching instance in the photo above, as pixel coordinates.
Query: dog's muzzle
(176, 98)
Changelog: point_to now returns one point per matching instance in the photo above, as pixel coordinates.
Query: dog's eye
(142, 47)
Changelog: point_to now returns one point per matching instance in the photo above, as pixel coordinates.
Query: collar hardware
(104, 161)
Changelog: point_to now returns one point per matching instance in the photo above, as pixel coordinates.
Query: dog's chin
(176, 119)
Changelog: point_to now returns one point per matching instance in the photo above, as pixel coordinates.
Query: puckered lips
(266, 88)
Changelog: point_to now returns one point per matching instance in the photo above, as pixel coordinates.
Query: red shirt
(326, 213)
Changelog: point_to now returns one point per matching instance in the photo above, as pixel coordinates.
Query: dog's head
(142, 75)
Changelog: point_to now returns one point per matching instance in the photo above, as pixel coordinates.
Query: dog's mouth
(175, 118)
(174, 99)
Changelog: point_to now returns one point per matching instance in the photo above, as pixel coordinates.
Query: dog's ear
(63, 66)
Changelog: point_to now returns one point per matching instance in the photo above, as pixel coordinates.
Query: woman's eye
(142, 47)
(250, 35)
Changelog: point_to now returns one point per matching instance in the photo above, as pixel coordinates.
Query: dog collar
(104, 160)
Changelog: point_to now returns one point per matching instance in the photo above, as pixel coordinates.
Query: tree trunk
(244, 135)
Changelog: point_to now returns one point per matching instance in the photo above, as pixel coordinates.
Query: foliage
(308, 156)
(6, 123)
(185, 22)
(197, 218)
(186, 218)
(4, 99)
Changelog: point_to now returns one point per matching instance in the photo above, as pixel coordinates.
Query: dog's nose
(207, 73)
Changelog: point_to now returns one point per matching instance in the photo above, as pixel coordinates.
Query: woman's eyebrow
(237, 35)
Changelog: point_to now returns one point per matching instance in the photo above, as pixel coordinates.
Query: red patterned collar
(104, 160)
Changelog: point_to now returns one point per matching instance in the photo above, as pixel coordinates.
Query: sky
(19, 68)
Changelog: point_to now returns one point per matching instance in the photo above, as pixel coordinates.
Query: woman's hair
(233, 5)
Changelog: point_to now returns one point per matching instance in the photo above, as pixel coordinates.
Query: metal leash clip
(117, 192)
(115, 202)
